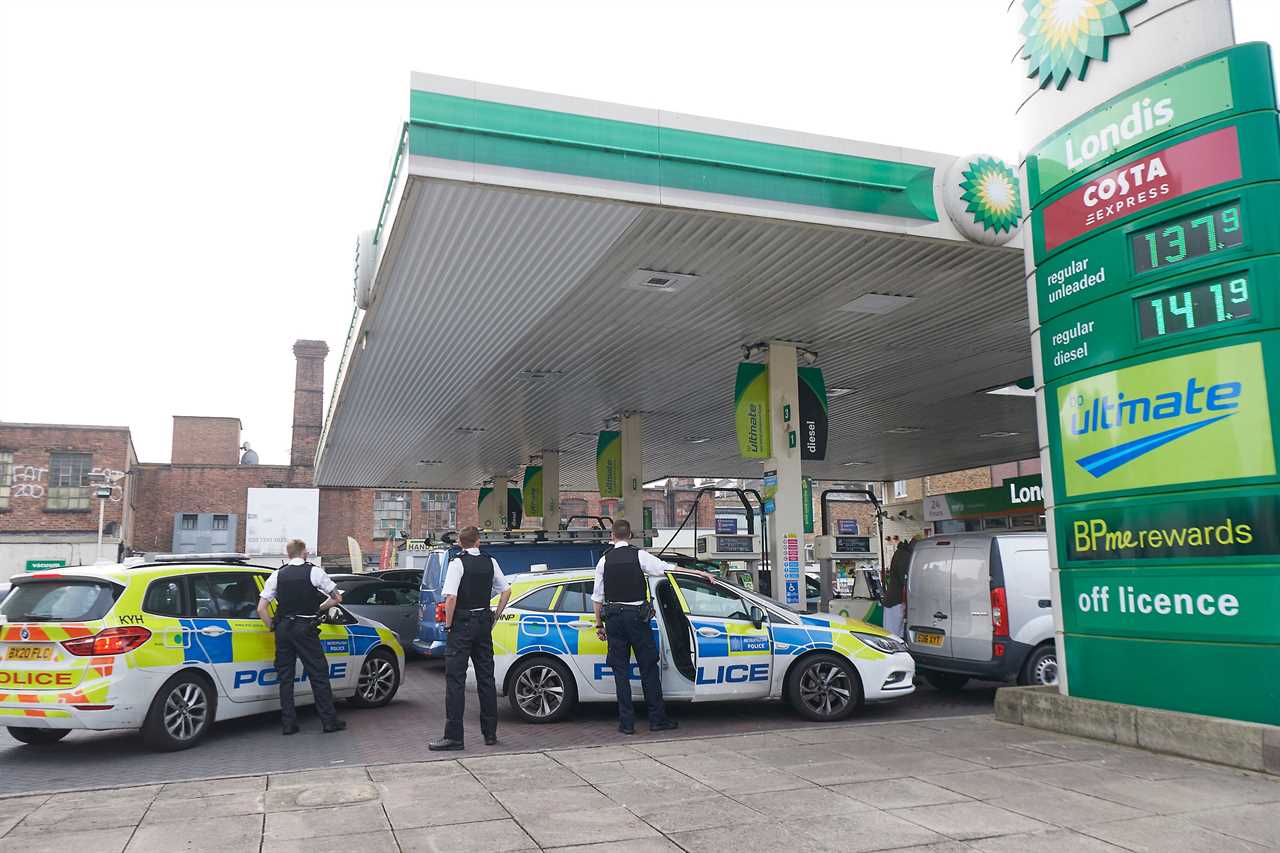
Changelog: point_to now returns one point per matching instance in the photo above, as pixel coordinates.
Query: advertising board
(274, 516)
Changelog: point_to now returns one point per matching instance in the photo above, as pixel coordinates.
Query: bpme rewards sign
(1155, 219)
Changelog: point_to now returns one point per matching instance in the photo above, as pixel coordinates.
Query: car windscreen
(59, 601)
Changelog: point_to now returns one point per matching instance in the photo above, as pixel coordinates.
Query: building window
(220, 522)
(440, 510)
(6, 478)
(658, 509)
(899, 488)
(190, 521)
(68, 480)
(390, 514)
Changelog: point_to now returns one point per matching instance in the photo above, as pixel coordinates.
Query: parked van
(978, 606)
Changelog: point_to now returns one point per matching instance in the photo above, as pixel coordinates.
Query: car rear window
(59, 601)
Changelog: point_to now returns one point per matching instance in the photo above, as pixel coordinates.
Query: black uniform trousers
(470, 638)
(299, 639)
(626, 630)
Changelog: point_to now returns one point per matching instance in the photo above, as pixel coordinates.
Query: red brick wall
(308, 400)
(205, 441)
(959, 481)
(164, 490)
(112, 453)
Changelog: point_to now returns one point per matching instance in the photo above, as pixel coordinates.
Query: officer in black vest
(470, 581)
(301, 592)
(622, 605)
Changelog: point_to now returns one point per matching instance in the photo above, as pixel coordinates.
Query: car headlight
(888, 645)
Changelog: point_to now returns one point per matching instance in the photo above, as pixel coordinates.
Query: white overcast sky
(181, 182)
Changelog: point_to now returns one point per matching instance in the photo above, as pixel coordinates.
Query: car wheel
(36, 737)
(379, 680)
(1041, 667)
(181, 713)
(948, 682)
(826, 688)
(542, 691)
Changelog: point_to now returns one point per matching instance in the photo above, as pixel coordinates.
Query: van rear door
(929, 597)
(970, 617)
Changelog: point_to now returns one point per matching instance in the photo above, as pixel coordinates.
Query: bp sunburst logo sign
(1063, 35)
(983, 198)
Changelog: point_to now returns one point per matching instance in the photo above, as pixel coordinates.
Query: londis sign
(1236, 80)
(1195, 418)
(1240, 150)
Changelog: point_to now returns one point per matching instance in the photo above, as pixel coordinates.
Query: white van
(978, 606)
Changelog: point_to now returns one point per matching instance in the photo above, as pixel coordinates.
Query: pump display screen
(735, 544)
(1182, 309)
(853, 544)
(1192, 236)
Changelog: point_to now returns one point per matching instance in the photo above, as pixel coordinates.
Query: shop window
(69, 481)
(6, 478)
(390, 514)
(1000, 523)
(440, 510)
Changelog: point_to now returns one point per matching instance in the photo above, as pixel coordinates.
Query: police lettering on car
(470, 581)
(301, 592)
(623, 609)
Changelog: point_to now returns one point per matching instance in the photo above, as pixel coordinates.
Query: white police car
(168, 648)
(718, 641)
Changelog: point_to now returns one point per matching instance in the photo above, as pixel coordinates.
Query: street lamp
(103, 493)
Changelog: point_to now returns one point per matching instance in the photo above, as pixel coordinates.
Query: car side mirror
(758, 616)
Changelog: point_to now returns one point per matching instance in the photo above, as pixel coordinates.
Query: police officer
(301, 592)
(471, 579)
(623, 609)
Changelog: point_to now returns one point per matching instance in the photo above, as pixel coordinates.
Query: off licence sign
(1199, 162)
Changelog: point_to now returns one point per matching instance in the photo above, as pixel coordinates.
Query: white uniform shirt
(649, 564)
(319, 579)
(453, 575)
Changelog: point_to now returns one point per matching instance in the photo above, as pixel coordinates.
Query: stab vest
(476, 587)
(623, 577)
(295, 596)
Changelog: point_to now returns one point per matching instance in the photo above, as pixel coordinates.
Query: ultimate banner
(609, 464)
(751, 410)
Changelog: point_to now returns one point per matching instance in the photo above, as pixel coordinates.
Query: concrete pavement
(941, 785)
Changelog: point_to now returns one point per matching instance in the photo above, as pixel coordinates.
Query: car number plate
(29, 653)
(928, 639)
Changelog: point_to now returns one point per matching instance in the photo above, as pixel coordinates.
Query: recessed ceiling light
(430, 461)
(877, 303)
(657, 281)
(855, 463)
(697, 440)
(538, 374)
(903, 430)
(997, 434)
(471, 429)
(832, 393)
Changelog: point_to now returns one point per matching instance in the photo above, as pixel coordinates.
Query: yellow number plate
(29, 653)
(924, 639)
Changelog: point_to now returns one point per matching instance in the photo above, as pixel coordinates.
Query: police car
(716, 641)
(166, 647)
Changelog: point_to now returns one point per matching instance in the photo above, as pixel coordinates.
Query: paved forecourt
(945, 785)
(398, 732)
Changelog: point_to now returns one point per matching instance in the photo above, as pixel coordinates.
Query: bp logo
(983, 198)
(1063, 35)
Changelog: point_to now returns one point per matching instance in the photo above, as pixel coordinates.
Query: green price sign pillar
(1155, 298)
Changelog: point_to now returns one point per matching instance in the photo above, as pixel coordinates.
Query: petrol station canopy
(544, 264)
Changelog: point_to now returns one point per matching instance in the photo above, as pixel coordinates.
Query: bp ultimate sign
(1155, 304)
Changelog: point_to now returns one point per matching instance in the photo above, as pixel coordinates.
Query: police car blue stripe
(363, 638)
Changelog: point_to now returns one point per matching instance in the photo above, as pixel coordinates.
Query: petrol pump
(849, 557)
(732, 548)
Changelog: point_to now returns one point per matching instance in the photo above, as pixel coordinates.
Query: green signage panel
(42, 565)
(1015, 495)
(1231, 526)
(1175, 239)
(1213, 302)
(1237, 151)
(1236, 80)
(1175, 421)
(1229, 605)
(1232, 680)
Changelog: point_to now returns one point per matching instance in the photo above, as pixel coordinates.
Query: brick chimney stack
(308, 401)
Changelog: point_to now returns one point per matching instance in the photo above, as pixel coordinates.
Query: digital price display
(727, 544)
(853, 544)
(1182, 309)
(1192, 236)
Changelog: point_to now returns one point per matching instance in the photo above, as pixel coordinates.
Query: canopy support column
(631, 506)
(786, 527)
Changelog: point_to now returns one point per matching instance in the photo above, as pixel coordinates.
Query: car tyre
(825, 688)
(542, 690)
(1041, 667)
(181, 713)
(947, 682)
(379, 680)
(37, 737)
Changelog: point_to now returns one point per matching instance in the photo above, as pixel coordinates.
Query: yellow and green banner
(609, 464)
(751, 410)
(533, 489)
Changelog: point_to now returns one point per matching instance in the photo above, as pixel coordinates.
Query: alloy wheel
(186, 709)
(825, 689)
(377, 678)
(539, 691)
